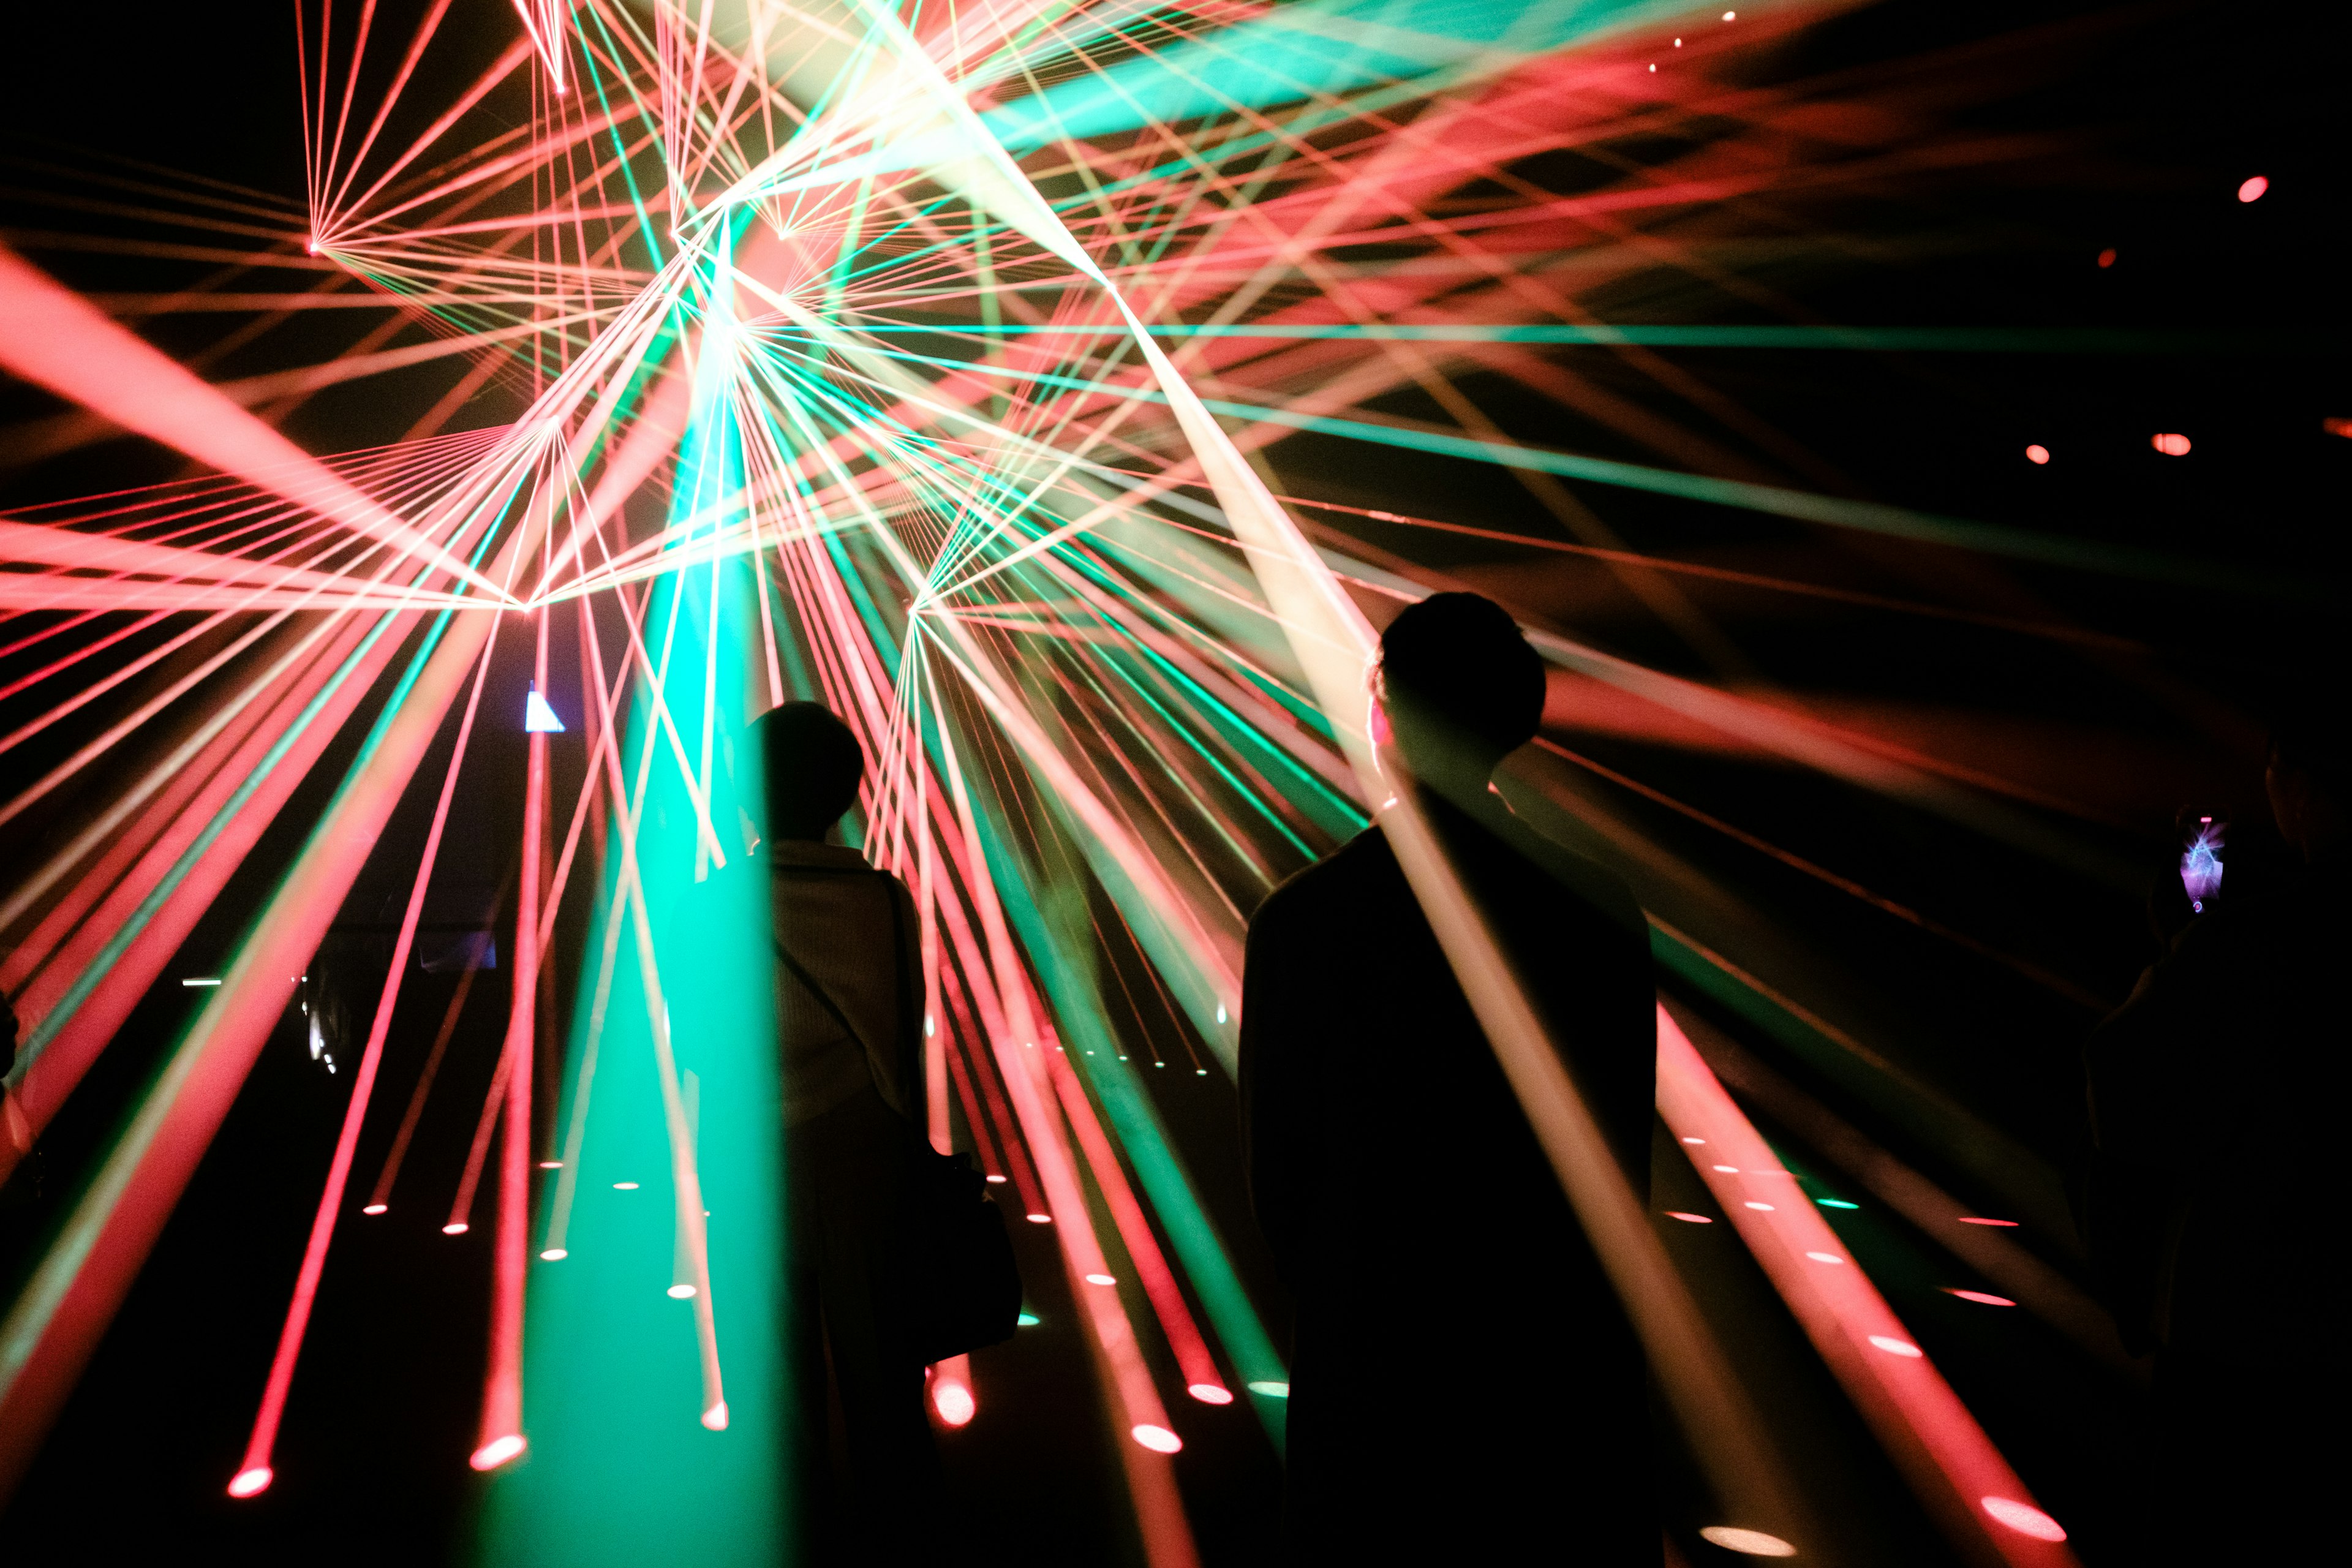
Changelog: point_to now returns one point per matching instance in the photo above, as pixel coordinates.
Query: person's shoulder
(1338, 878)
(1580, 876)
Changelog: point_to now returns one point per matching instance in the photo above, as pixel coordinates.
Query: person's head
(2310, 766)
(1460, 688)
(814, 765)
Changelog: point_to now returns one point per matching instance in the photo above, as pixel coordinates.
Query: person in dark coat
(1464, 1386)
(2215, 1092)
(848, 1008)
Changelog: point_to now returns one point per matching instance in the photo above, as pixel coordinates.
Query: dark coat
(1463, 1379)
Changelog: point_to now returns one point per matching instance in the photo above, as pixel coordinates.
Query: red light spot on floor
(2024, 1519)
(2037, 452)
(1980, 1297)
(1688, 1218)
(1979, 1219)
(1041, 1219)
(1158, 1439)
(2334, 428)
(2171, 444)
(1211, 1393)
(455, 1227)
(373, 1208)
(954, 1403)
(2252, 191)
(251, 1482)
(2108, 256)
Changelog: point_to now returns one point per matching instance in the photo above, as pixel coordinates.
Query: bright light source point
(374, 1208)
(1749, 1542)
(1727, 1170)
(2252, 191)
(455, 1227)
(1981, 1298)
(2037, 454)
(1101, 1280)
(1026, 1320)
(1731, 15)
(1694, 1140)
(1836, 1203)
(497, 1451)
(1979, 1219)
(995, 1178)
(1894, 1346)
(551, 1164)
(1158, 1439)
(681, 1292)
(2024, 1517)
(200, 983)
(1271, 1390)
(256, 1479)
(1825, 1257)
(1211, 1393)
(1688, 1218)
(555, 1255)
(1041, 1219)
(2171, 444)
(954, 1403)
(2108, 256)
(1759, 1208)
(625, 1186)
(538, 718)
(715, 1419)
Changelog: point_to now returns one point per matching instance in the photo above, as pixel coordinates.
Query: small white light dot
(1894, 1346)
(555, 1255)
(1728, 1169)
(1825, 1257)
(1101, 1280)
(1694, 1140)
(625, 1186)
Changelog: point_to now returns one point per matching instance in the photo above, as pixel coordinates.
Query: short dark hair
(1458, 662)
(813, 766)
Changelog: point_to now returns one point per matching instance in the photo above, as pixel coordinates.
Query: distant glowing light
(195, 983)
(1200, 1072)
(715, 1419)
(1041, 1219)
(1688, 1218)
(2201, 868)
(555, 1255)
(1727, 1170)
(1271, 1390)
(1979, 1219)
(1158, 1439)
(455, 1227)
(2108, 256)
(2337, 427)
(1836, 1203)
(2024, 1517)
(1759, 1208)
(681, 1292)
(255, 1479)
(1894, 1346)
(625, 1186)
(2037, 452)
(1825, 1257)
(375, 1208)
(954, 1403)
(1221, 1011)
(930, 1025)
(1980, 1297)
(1653, 70)
(1101, 1280)
(1211, 1393)
(2171, 445)
(1026, 1320)
(551, 1164)
(1731, 15)
(994, 1177)
(497, 1451)
(1749, 1542)
(1694, 1140)
(538, 718)
(1678, 43)
(2252, 191)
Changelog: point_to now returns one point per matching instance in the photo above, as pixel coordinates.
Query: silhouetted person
(2217, 1099)
(849, 1011)
(1464, 1386)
